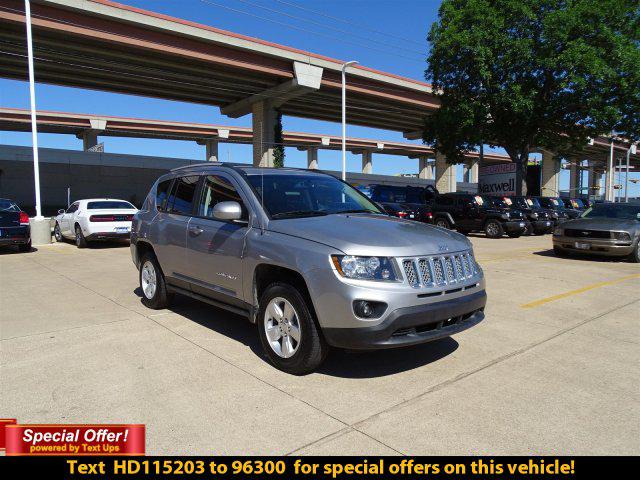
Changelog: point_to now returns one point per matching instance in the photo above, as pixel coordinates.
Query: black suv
(541, 221)
(556, 204)
(405, 202)
(473, 213)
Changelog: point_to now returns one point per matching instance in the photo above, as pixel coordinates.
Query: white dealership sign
(499, 179)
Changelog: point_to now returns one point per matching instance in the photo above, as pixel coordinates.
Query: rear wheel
(152, 284)
(443, 223)
(493, 229)
(24, 247)
(57, 233)
(288, 332)
(81, 242)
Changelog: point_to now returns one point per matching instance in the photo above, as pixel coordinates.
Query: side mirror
(61, 211)
(227, 211)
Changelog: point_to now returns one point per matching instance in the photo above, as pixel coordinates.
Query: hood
(373, 235)
(603, 224)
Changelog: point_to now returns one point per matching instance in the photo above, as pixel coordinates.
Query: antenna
(261, 177)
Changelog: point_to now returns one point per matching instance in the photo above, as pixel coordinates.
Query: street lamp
(344, 117)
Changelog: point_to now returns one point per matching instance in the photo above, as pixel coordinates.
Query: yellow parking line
(570, 293)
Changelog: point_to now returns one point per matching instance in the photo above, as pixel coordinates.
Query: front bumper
(413, 325)
(542, 226)
(600, 246)
(514, 226)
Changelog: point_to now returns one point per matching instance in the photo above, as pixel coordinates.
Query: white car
(95, 219)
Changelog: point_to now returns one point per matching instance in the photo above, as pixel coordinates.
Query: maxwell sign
(499, 179)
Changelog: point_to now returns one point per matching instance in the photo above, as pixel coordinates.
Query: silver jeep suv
(308, 258)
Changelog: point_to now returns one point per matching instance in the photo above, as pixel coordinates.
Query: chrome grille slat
(440, 270)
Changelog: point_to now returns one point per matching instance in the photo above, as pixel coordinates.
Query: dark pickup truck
(541, 221)
(407, 202)
(477, 213)
(14, 226)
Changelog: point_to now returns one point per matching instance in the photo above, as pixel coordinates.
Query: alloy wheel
(282, 327)
(148, 280)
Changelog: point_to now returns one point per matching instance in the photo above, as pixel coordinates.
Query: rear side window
(181, 198)
(8, 206)
(218, 189)
(162, 192)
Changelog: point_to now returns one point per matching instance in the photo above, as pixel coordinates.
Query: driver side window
(216, 189)
(73, 207)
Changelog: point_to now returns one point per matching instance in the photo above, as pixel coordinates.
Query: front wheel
(81, 242)
(443, 223)
(57, 233)
(493, 229)
(635, 256)
(288, 332)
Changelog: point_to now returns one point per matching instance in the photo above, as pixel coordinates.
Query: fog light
(368, 309)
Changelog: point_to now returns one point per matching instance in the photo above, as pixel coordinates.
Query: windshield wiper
(299, 213)
(356, 211)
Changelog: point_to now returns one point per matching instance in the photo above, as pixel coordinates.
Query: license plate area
(582, 246)
(122, 229)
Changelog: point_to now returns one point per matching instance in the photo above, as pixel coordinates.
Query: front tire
(635, 256)
(57, 233)
(288, 332)
(152, 284)
(493, 229)
(81, 242)
(443, 223)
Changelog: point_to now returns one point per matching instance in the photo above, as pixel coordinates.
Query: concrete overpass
(99, 44)
(89, 127)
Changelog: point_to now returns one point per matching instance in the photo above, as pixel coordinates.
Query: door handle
(195, 231)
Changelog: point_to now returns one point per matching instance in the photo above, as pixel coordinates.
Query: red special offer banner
(3, 423)
(75, 439)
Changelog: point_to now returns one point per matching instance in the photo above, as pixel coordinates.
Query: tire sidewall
(444, 223)
(80, 241)
(296, 364)
(499, 229)
(57, 233)
(158, 300)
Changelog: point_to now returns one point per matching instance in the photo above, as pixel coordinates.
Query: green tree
(526, 74)
(278, 149)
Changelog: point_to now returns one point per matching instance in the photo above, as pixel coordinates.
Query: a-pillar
(264, 119)
(445, 175)
(211, 149)
(312, 158)
(425, 168)
(367, 162)
(550, 184)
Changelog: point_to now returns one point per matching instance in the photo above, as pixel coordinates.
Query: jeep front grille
(439, 270)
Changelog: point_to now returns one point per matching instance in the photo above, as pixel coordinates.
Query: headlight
(534, 215)
(365, 268)
(558, 232)
(506, 215)
(623, 236)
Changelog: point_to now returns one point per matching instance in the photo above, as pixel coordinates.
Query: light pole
(32, 94)
(344, 117)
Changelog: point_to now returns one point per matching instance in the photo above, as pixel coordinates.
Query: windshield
(533, 202)
(301, 195)
(488, 201)
(8, 206)
(110, 204)
(607, 210)
(577, 203)
(520, 202)
(550, 202)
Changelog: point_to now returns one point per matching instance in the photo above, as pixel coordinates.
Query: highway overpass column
(90, 135)
(312, 158)
(367, 161)
(574, 178)
(445, 174)
(475, 166)
(610, 176)
(595, 179)
(264, 119)
(425, 169)
(211, 148)
(550, 183)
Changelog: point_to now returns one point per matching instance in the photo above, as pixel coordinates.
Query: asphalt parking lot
(554, 368)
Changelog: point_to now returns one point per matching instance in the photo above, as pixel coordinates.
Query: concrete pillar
(550, 184)
(312, 158)
(466, 173)
(610, 176)
(367, 161)
(425, 169)
(89, 139)
(40, 231)
(595, 181)
(474, 170)
(211, 148)
(574, 178)
(263, 120)
(445, 175)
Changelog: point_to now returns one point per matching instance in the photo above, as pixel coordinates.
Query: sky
(389, 35)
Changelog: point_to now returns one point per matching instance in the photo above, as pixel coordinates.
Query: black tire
(635, 256)
(493, 229)
(514, 234)
(528, 229)
(24, 247)
(159, 299)
(443, 223)
(311, 350)
(57, 233)
(81, 242)
(560, 252)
